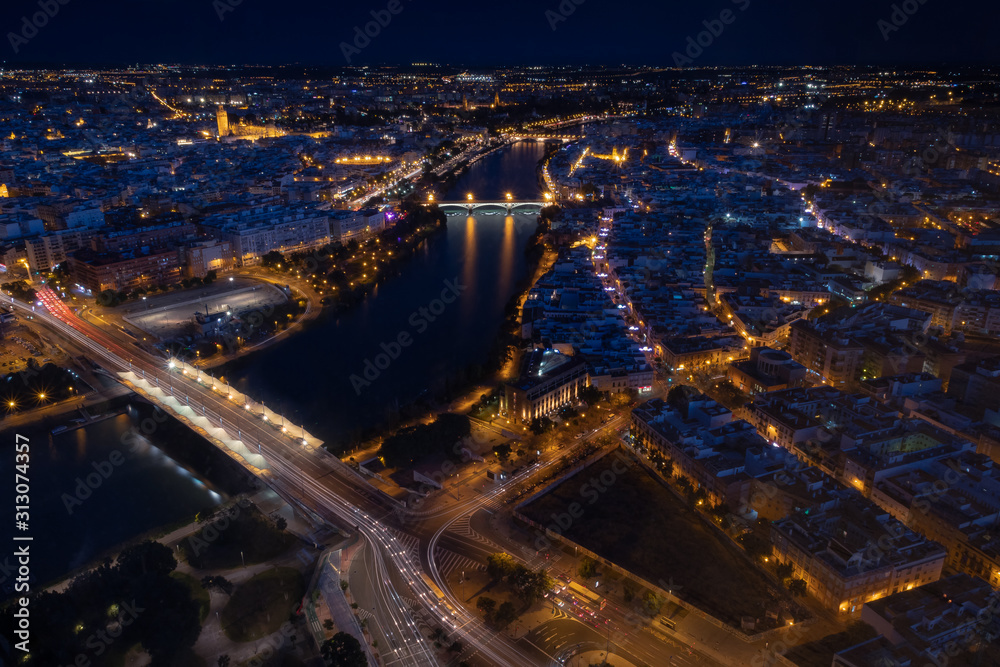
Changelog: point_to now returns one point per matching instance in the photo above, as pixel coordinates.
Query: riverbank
(98, 400)
(506, 369)
(127, 474)
(313, 309)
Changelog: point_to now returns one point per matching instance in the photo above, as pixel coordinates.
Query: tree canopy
(343, 650)
(413, 443)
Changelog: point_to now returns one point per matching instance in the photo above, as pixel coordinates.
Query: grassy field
(198, 593)
(262, 604)
(639, 525)
(217, 546)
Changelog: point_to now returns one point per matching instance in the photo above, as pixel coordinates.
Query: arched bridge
(545, 135)
(471, 206)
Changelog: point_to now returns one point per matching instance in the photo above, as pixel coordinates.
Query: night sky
(515, 32)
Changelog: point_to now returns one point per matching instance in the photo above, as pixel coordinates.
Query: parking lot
(176, 319)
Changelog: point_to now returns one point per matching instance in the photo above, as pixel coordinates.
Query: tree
(280, 523)
(784, 571)
(343, 650)
(651, 603)
(220, 584)
(502, 451)
(527, 584)
(720, 511)
(210, 277)
(487, 606)
(505, 615)
(499, 565)
(174, 626)
(628, 590)
(148, 557)
(679, 397)
(590, 394)
(540, 425)
(588, 567)
(755, 546)
(797, 587)
(223, 660)
(416, 442)
(622, 398)
(328, 624)
(273, 258)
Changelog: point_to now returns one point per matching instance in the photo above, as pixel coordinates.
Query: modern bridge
(291, 461)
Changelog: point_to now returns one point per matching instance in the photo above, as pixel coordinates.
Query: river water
(94, 487)
(462, 277)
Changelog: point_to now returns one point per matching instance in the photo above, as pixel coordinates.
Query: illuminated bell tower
(222, 118)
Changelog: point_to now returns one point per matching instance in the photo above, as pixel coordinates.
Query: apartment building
(830, 357)
(854, 553)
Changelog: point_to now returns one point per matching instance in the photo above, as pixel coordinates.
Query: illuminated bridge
(508, 205)
(544, 135)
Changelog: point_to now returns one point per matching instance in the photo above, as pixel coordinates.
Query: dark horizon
(191, 32)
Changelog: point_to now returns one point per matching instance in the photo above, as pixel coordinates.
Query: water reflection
(507, 245)
(312, 372)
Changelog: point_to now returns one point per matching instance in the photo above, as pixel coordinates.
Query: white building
(255, 232)
(17, 225)
(348, 225)
(88, 216)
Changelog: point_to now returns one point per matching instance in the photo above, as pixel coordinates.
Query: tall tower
(465, 102)
(222, 118)
(496, 100)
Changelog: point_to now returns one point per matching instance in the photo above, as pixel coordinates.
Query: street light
(509, 196)
(469, 196)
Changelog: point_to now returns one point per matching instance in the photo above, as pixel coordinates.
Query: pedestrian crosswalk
(463, 526)
(410, 544)
(449, 561)
(492, 504)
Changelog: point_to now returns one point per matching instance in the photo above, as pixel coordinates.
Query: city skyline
(559, 361)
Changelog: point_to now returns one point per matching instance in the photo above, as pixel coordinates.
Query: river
(94, 487)
(462, 277)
